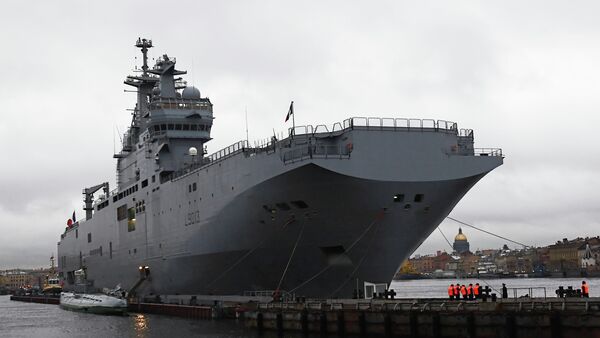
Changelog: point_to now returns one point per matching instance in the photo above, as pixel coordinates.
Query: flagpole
(293, 119)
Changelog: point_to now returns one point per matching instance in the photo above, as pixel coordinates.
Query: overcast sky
(523, 75)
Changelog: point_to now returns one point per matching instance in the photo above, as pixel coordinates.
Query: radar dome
(193, 151)
(190, 93)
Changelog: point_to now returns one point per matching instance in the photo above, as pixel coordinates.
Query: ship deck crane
(88, 199)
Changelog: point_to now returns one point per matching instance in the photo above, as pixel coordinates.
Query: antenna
(144, 44)
(193, 82)
(119, 132)
(247, 138)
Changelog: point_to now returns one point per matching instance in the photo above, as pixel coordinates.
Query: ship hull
(348, 229)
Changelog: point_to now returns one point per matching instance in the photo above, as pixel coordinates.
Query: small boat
(52, 286)
(93, 303)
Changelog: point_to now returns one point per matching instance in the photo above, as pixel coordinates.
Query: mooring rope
(248, 254)
(377, 218)
(291, 256)
(359, 263)
(489, 233)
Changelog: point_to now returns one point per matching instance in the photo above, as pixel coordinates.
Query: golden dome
(460, 236)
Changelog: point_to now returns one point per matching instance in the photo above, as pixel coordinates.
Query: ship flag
(290, 112)
(73, 218)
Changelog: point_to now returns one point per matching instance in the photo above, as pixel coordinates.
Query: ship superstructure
(311, 213)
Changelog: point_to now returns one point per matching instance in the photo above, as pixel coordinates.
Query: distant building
(430, 263)
(564, 255)
(14, 279)
(461, 245)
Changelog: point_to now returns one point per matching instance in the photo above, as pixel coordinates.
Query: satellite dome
(190, 93)
(193, 151)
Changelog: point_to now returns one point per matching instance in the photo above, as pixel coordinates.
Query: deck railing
(378, 123)
(487, 152)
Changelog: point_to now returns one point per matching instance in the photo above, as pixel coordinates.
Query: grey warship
(314, 212)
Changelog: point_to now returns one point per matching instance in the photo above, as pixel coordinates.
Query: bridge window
(186, 127)
(194, 186)
(178, 127)
(144, 183)
(194, 127)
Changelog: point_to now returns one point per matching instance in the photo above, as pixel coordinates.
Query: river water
(26, 320)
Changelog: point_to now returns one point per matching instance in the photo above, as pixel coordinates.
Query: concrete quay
(553, 318)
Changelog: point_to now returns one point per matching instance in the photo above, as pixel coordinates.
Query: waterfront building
(564, 255)
(431, 263)
(461, 245)
(16, 278)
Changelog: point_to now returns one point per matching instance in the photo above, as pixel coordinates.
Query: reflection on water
(140, 324)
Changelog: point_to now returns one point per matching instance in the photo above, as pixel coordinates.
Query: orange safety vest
(456, 290)
(469, 290)
(451, 291)
(476, 290)
(463, 290)
(585, 289)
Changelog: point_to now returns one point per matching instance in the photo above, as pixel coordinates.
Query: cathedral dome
(460, 236)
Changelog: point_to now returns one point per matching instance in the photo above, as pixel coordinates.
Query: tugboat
(52, 286)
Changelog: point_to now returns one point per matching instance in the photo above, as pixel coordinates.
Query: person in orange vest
(451, 291)
(457, 291)
(585, 290)
(470, 291)
(463, 291)
(477, 291)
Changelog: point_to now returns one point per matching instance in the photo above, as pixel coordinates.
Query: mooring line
(291, 256)
(377, 218)
(247, 254)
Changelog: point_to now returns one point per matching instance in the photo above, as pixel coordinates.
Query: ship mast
(144, 44)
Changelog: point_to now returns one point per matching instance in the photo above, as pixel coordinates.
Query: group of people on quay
(458, 291)
(471, 292)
